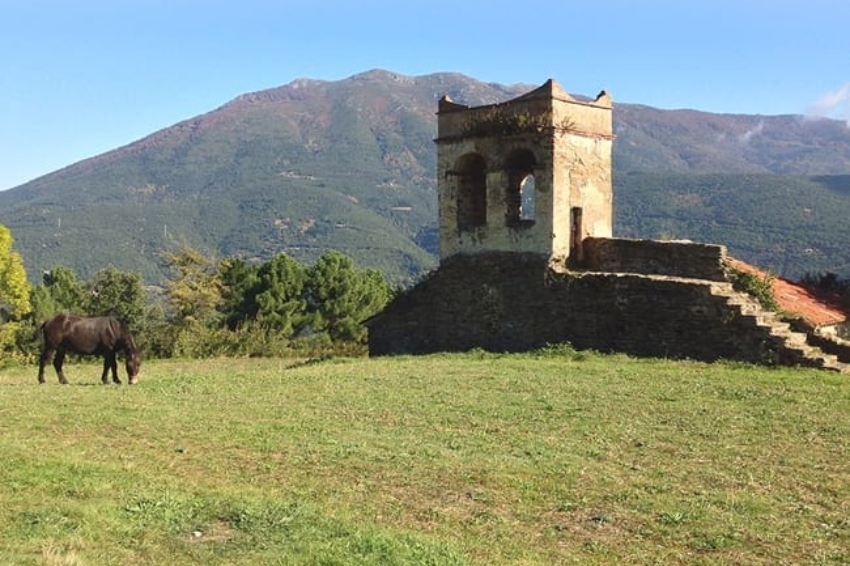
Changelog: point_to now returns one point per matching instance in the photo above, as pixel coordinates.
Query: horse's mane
(129, 341)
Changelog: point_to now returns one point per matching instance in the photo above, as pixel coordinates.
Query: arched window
(527, 198)
(471, 172)
(521, 197)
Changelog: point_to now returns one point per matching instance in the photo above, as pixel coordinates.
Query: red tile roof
(817, 310)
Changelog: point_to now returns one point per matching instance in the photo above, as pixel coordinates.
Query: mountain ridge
(314, 165)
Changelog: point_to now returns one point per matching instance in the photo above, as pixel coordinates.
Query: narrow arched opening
(521, 197)
(527, 198)
(471, 173)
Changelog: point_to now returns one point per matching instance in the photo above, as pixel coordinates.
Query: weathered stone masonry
(527, 257)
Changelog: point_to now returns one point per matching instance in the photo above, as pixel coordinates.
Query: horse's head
(134, 364)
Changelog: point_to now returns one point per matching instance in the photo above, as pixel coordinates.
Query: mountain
(788, 225)
(688, 141)
(350, 165)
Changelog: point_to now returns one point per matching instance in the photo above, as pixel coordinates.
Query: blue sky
(81, 77)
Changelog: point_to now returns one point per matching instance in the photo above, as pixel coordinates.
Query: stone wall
(653, 257)
(516, 302)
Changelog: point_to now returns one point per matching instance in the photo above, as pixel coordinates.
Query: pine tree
(279, 296)
(341, 297)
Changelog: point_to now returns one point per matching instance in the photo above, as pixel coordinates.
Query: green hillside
(787, 224)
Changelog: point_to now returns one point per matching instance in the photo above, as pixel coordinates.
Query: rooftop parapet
(546, 107)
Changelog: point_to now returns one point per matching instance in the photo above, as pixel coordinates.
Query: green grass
(555, 458)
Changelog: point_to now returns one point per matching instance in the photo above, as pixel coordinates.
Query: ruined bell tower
(527, 258)
(530, 175)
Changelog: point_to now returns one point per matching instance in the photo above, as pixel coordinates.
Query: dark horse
(98, 336)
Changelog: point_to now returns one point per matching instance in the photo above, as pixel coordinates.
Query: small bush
(761, 288)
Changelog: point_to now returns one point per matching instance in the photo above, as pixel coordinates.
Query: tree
(278, 296)
(341, 297)
(15, 293)
(238, 279)
(196, 293)
(60, 291)
(112, 292)
(15, 289)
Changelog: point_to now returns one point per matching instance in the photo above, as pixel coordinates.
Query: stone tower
(530, 175)
(527, 258)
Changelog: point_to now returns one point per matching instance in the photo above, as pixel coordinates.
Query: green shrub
(761, 288)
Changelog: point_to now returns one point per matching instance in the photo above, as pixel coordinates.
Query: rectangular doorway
(576, 231)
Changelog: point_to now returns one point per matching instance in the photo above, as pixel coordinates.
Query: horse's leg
(46, 352)
(58, 360)
(103, 378)
(110, 363)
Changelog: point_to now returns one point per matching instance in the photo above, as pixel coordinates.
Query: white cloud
(748, 135)
(834, 104)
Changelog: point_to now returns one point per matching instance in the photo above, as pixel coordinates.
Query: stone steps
(788, 346)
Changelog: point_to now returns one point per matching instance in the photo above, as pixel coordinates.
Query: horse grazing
(98, 336)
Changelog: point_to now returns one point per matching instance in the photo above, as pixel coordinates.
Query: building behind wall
(527, 256)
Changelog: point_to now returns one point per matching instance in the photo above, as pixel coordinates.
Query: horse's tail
(39, 331)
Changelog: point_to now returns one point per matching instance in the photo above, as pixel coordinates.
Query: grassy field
(473, 459)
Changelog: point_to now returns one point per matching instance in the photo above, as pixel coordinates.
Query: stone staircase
(782, 345)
